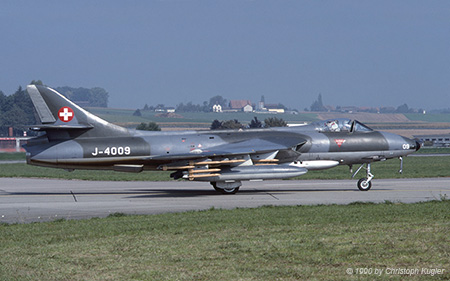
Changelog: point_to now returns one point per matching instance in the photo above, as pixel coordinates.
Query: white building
(217, 108)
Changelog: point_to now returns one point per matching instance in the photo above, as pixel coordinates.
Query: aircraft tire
(363, 185)
(229, 190)
(225, 190)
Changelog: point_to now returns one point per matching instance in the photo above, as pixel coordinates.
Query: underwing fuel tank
(316, 164)
(263, 172)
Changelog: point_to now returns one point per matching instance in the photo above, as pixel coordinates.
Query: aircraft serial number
(113, 150)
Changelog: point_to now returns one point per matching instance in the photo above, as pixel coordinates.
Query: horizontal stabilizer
(59, 127)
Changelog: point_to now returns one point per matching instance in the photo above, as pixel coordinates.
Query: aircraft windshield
(341, 125)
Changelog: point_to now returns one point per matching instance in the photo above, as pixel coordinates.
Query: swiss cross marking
(339, 142)
(66, 114)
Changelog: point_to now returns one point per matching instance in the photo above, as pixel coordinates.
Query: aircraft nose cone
(411, 144)
(414, 144)
(418, 145)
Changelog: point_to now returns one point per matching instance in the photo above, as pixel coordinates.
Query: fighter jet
(73, 138)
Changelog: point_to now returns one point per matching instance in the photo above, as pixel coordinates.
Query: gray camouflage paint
(88, 142)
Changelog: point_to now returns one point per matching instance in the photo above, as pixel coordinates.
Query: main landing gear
(364, 184)
(226, 187)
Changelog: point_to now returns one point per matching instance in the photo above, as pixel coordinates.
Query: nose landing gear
(364, 184)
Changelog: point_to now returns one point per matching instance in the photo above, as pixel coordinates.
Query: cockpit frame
(341, 125)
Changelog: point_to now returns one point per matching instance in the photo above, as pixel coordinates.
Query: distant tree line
(190, 107)
(84, 97)
(405, 109)
(318, 106)
(254, 124)
(204, 107)
(94, 97)
(153, 108)
(16, 111)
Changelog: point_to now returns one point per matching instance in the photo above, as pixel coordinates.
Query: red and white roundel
(339, 142)
(66, 114)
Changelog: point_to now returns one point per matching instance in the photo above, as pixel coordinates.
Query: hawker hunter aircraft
(77, 139)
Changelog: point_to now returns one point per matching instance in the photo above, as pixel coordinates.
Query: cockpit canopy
(341, 125)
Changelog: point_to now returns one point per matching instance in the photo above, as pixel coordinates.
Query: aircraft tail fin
(57, 114)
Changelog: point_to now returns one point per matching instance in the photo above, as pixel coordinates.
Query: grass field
(325, 242)
(28, 171)
(428, 117)
(12, 156)
(433, 150)
(267, 243)
(413, 167)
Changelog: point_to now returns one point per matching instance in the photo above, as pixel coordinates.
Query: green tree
(15, 117)
(318, 104)
(189, 107)
(403, 109)
(36, 82)
(137, 113)
(255, 123)
(217, 100)
(97, 97)
(16, 111)
(150, 126)
(232, 124)
(274, 122)
(216, 125)
(3, 99)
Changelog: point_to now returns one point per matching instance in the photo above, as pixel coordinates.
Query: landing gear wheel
(364, 184)
(229, 190)
(226, 190)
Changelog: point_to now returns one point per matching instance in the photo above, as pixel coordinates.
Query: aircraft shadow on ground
(180, 193)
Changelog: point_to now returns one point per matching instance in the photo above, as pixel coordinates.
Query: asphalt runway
(31, 200)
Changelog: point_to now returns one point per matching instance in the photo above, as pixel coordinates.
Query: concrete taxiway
(31, 200)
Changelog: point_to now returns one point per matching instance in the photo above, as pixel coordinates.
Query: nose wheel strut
(364, 184)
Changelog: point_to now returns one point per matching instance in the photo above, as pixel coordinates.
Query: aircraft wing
(254, 158)
(246, 147)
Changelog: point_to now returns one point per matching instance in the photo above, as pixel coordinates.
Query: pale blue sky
(363, 53)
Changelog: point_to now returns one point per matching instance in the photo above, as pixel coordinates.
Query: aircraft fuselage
(92, 153)
(77, 139)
